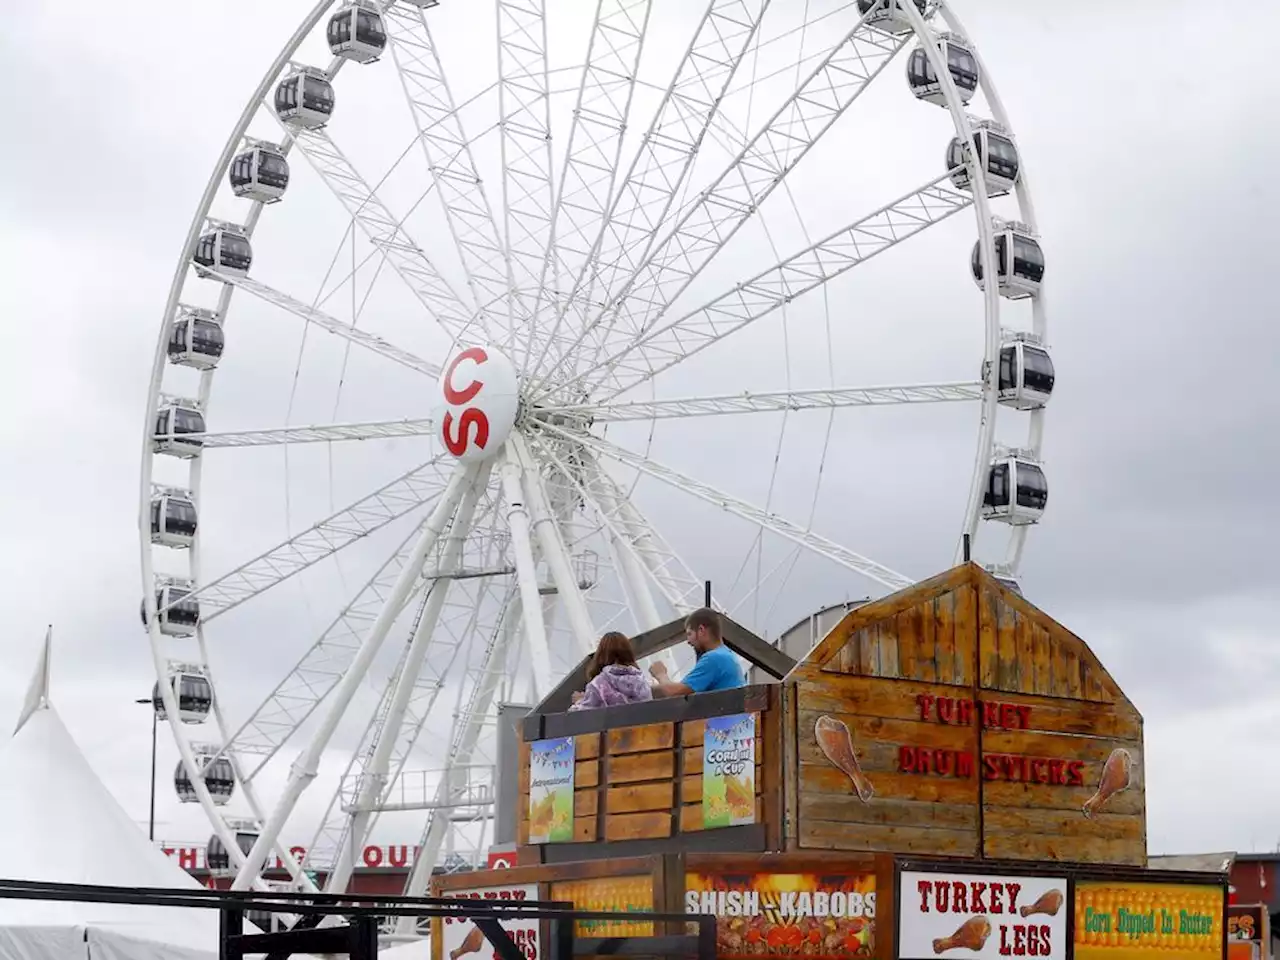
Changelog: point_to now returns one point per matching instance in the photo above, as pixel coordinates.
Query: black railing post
(706, 938)
(230, 928)
(363, 933)
(560, 932)
(965, 548)
(706, 586)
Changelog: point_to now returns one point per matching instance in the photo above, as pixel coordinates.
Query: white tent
(61, 825)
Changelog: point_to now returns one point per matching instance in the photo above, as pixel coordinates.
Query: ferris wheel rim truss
(630, 276)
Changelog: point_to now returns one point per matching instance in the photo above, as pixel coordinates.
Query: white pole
(473, 723)
(539, 649)
(554, 550)
(307, 765)
(375, 777)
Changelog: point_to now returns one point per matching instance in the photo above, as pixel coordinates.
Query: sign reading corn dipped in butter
(1115, 921)
(609, 895)
(551, 790)
(729, 771)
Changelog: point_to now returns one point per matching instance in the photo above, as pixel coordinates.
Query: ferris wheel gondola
(259, 172)
(194, 693)
(556, 259)
(1017, 491)
(305, 99)
(356, 32)
(961, 64)
(174, 519)
(997, 159)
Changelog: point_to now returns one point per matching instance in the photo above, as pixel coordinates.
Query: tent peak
(38, 690)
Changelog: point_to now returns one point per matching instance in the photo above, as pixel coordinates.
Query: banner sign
(970, 915)
(1246, 922)
(551, 790)
(817, 916)
(613, 895)
(729, 771)
(460, 937)
(1116, 921)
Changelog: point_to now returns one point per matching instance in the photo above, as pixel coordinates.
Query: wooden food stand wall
(981, 726)
(935, 739)
(638, 788)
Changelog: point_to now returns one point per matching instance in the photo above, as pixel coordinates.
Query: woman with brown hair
(613, 677)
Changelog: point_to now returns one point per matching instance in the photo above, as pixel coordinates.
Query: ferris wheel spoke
(372, 430)
(667, 151)
(814, 542)
(524, 116)
(632, 533)
(776, 402)
(416, 679)
(715, 216)
(329, 324)
(590, 169)
(386, 233)
(449, 154)
(811, 268)
(354, 522)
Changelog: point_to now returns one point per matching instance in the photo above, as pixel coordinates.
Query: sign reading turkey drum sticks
(971, 915)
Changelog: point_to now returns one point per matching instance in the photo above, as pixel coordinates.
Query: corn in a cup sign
(1117, 921)
(729, 771)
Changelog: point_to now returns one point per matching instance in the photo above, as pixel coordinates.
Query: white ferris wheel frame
(644, 562)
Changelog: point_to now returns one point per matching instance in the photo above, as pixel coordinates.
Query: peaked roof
(37, 696)
(992, 638)
(62, 825)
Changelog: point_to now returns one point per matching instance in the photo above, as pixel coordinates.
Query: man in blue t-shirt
(717, 667)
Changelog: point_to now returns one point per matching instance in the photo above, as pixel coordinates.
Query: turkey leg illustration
(1117, 773)
(472, 944)
(1048, 903)
(836, 742)
(972, 935)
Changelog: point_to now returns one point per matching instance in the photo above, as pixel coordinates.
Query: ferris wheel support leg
(539, 648)
(553, 549)
(468, 734)
(375, 777)
(307, 765)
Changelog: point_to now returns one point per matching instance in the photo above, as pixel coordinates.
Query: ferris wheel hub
(479, 398)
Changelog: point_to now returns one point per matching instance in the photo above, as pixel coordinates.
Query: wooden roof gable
(964, 628)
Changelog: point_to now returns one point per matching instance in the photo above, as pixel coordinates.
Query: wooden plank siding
(964, 637)
(644, 782)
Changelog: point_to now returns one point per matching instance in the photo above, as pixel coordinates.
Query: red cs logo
(480, 402)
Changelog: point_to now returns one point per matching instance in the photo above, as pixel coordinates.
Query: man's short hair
(704, 617)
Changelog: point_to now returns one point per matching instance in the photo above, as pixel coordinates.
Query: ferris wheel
(606, 192)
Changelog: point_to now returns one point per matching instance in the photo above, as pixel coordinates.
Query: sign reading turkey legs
(974, 915)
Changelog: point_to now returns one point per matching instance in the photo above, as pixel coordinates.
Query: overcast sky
(1147, 129)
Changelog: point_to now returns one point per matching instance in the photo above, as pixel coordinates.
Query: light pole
(151, 820)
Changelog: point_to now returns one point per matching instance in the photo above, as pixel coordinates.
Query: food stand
(948, 773)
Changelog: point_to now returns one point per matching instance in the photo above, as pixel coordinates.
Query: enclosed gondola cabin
(1016, 491)
(1026, 376)
(194, 693)
(305, 99)
(224, 249)
(356, 32)
(1019, 263)
(196, 340)
(219, 778)
(259, 173)
(423, 4)
(997, 159)
(173, 519)
(216, 856)
(179, 425)
(179, 611)
(961, 63)
(887, 16)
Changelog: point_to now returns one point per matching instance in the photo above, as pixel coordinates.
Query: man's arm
(696, 681)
